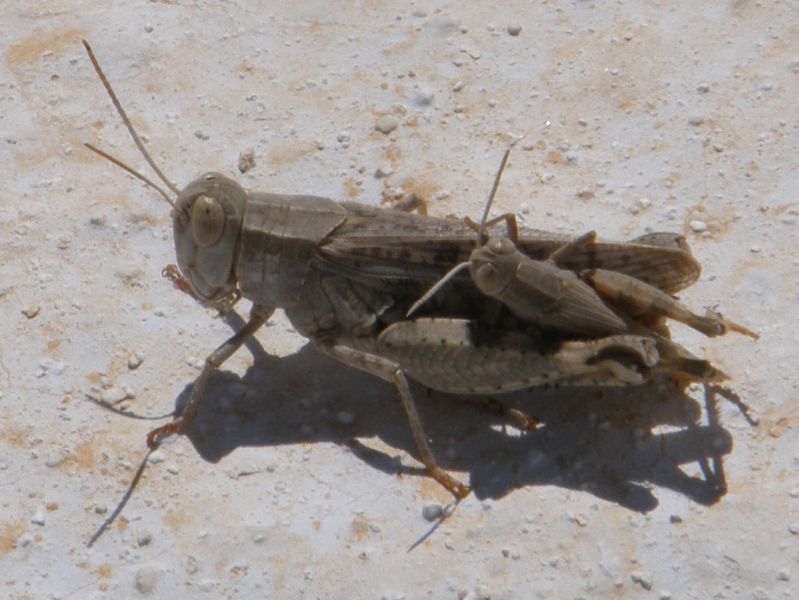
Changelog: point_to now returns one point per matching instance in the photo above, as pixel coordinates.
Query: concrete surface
(300, 478)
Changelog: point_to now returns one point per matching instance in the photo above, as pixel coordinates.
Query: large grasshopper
(538, 307)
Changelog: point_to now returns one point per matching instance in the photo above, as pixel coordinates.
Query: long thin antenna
(130, 170)
(481, 238)
(437, 286)
(125, 119)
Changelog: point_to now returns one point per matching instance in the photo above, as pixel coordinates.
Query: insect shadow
(596, 441)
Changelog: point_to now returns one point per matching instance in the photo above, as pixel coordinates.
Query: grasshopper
(347, 275)
(594, 302)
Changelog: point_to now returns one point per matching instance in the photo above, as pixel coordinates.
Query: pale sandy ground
(626, 117)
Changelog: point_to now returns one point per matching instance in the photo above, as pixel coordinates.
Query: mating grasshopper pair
(536, 308)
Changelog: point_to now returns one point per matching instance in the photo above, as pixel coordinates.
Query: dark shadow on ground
(597, 441)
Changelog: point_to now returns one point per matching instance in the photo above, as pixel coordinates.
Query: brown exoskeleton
(583, 303)
(346, 276)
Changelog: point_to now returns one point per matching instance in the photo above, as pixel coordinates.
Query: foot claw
(172, 273)
(156, 436)
(461, 491)
(727, 325)
(454, 487)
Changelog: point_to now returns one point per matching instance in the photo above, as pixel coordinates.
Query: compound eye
(501, 246)
(207, 221)
(488, 279)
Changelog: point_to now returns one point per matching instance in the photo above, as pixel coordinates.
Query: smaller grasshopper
(575, 304)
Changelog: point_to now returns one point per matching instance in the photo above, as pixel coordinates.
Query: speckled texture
(627, 117)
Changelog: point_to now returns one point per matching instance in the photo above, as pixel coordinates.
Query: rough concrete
(625, 117)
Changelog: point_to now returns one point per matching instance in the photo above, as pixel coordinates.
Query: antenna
(130, 170)
(481, 239)
(130, 128)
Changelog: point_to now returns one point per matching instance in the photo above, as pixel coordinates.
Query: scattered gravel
(146, 580)
(432, 512)
(246, 160)
(386, 124)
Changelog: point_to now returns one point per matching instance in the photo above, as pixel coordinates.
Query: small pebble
(38, 518)
(31, 311)
(514, 29)
(664, 595)
(698, 226)
(703, 88)
(135, 361)
(675, 519)
(53, 367)
(144, 538)
(784, 575)
(53, 462)
(585, 194)
(113, 395)
(794, 529)
(642, 579)
(259, 537)
(432, 512)
(25, 540)
(696, 120)
(191, 565)
(458, 86)
(383, 171)
(246, 160)
(386, 124)
(423, 98)
(101, 509)
(146, 580)
(199, 134)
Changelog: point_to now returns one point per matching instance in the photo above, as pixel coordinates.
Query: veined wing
(376, 244)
